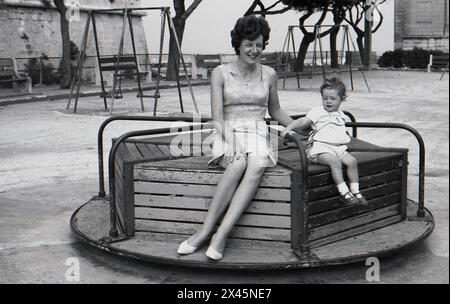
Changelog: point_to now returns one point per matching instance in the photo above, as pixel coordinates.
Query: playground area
(49, 168)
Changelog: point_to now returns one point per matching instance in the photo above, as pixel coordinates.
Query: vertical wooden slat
(296, 198)
(165, 149)
(134, 152)
(404, 206)
(146, 153)
(128, 199)
(154, 150)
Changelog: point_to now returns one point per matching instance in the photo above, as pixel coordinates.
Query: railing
(45, 63)
(146, 60)
(101, 192)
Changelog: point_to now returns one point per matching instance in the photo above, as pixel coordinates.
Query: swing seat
(163, 193)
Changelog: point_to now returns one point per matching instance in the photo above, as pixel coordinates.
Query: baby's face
(331, 100)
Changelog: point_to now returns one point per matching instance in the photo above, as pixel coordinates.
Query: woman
(241, 93)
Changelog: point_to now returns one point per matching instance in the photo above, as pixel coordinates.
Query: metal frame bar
(119, 57)
(127, 13)
(138, 72)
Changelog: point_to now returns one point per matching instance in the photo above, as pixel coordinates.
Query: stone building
(422, 23)
(29, 28)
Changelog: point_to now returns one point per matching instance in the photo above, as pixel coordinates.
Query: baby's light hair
(334, 83)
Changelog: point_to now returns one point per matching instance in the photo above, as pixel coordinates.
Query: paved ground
(48, 166)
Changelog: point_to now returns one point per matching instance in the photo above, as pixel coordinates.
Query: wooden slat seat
(126, 63)
(438, 62)
(9, 74)
(274, 60)
(167, 190)
(206, 63)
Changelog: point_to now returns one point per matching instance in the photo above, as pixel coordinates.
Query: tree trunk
(66, 67)
(303, 51)
(174, 56)
(333, 48)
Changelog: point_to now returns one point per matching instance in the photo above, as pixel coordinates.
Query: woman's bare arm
(275, 110)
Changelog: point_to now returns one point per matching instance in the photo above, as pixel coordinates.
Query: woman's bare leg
(222, 197)
(241, 198)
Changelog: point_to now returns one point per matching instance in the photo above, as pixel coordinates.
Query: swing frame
(347, 40)
(127, 15)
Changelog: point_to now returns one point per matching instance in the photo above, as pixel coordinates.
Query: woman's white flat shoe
(185, 248)
(213, 254)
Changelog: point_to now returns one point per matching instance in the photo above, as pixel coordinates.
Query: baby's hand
(285, 131)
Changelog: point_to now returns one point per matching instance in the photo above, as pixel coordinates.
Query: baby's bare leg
(335, 164)
(352, 168)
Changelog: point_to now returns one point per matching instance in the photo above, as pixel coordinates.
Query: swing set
(289, 46)
(120, 63)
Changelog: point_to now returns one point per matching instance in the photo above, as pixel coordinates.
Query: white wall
(208, 28)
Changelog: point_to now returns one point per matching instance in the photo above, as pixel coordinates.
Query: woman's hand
(234, 152)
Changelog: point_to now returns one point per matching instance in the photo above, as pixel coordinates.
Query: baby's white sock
(354, 187)
(342, 188)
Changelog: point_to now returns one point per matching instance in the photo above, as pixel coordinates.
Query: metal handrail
(111, 165)
(101, 192)
(355, 125)
(303, 171)
(421, 209)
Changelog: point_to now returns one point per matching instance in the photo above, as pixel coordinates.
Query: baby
(329, 139)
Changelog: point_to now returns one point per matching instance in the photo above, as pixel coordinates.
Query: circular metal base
(90, 222)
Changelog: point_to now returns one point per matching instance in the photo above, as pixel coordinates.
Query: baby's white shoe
(185, 248)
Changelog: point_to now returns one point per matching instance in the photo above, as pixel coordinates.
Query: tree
(269, 10)
(354, 18)
(66, 67)
(309, 7)
(179, 21)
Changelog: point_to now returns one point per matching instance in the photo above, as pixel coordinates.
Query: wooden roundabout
(160, 188)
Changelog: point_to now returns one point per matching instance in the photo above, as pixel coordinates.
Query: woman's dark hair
(249, 27)
(334, 83)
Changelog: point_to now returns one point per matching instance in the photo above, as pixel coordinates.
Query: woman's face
(250, 50)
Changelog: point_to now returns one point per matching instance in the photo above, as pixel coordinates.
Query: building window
(424, 12)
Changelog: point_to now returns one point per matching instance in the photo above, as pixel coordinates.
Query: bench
(164, 191)
(354, 58)
(275, 61)
(9, 74)
(205, 64)
(438, 62)
(153, 62)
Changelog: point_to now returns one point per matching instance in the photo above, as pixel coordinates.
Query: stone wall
(29, 29)
(422, 23)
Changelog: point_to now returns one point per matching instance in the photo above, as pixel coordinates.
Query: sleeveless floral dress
(244, 109)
